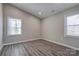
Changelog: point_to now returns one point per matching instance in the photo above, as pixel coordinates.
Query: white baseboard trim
(20, 41)
(62, 44)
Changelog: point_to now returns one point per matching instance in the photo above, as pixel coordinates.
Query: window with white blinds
(14, 26)
(72, 25)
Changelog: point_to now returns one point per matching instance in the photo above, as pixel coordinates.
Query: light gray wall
(30, 25)
(53, 28)
(1, 25)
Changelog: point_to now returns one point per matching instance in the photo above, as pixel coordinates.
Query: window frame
(8, 29)
(65, 25)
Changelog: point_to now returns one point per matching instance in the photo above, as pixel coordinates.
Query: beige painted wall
(1, 25)
(53, 28)
(30, 25)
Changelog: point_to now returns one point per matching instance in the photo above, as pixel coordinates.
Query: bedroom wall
(30, 25)
(1, 25)
(53, 28)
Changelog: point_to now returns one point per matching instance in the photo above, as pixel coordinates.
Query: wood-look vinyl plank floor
(36, 48)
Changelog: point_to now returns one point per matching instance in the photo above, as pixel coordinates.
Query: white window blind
(14, 26)
(73, 25)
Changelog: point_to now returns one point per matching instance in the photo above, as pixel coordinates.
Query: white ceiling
(43, 10)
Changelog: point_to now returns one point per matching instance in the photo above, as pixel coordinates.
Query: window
(72, 25)
(14, 26)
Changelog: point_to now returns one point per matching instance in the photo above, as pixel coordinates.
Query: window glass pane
(14, 26)
(73, 25)
(73, 20)
(18, 23)
(73, 30)
(11, 22)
